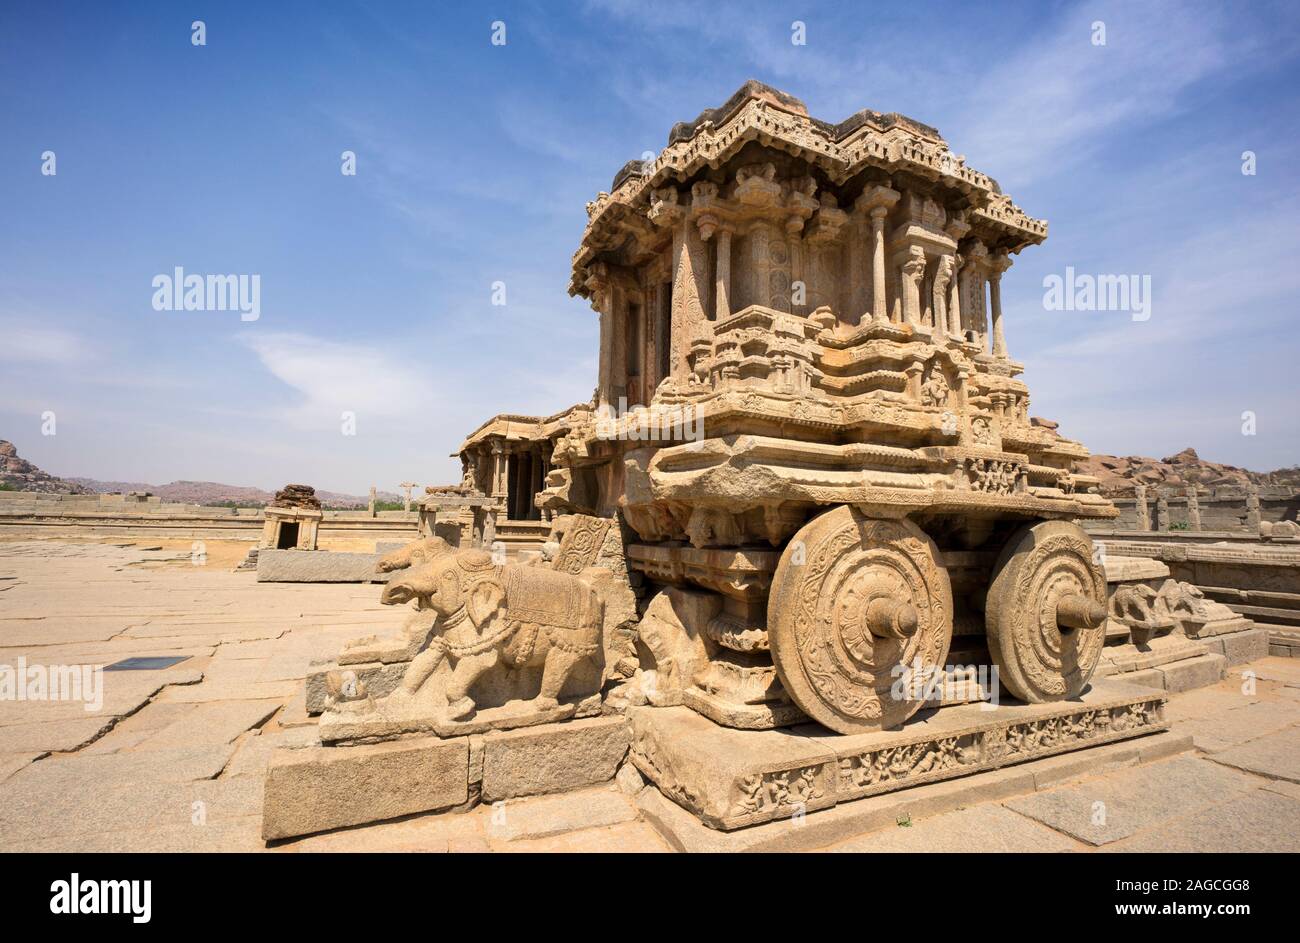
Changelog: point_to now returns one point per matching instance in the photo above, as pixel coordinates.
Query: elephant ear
(486, 599)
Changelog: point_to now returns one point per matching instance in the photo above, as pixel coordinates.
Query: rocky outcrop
(1118, 474)
(18, 474)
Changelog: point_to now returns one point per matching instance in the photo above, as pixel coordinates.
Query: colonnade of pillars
(957, 283)
(518, 473)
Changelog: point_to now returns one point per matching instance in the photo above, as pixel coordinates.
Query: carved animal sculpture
(1133, 603)
(413, 554)
(488, 616)
(1183, 600)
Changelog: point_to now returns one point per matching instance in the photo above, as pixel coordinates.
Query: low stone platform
(315, 789)
(1175, 663)
(878, 816)
(732, 779)
(317, 566)
(340, 727)
(1284, 641)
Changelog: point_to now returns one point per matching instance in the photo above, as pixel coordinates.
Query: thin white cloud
(1054, 102)
(332, 377)
(25, 342)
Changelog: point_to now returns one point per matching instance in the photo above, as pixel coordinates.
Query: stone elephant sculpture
(510, 615)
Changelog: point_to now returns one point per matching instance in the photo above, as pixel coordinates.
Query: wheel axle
(889, 618)
(1078, 611)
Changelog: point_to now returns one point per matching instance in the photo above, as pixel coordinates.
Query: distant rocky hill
(215, 493)
(1118, 474)
(18, 474)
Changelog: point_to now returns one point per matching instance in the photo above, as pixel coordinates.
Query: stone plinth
(733, 778)
(317, 566)
(316, 789)
(312, 790)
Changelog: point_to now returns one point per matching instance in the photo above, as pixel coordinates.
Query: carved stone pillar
(602, 301)
(690, 272)
(875, 203)
(878, 309)
(537, 483)
(1162, 511)
(498, 469)
(999, 265)
(942, 276)
(722, 286)
(954, 299)
(913, 272)
(1193, 508)
(1140, 505)
(618, 340)
(1252, 507)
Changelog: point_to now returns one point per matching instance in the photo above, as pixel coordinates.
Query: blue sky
(474, 163)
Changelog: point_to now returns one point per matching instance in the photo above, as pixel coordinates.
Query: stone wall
(30, 514)
(1221, 509)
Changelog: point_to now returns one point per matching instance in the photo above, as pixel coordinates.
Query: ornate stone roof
(888, 143)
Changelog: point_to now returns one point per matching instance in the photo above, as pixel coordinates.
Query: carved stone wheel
(1046, 612)
(852, 598)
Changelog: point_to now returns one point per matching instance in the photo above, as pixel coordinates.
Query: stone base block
(766, 716)
(684, 832)
(735, 778)
(1119, 660)
(535, 760)
(1240, 647)
(316, 789)
(378, 679)
(1284, 641)
(337, 725)
(317, 566)
(1218, 627)
(1192, 673)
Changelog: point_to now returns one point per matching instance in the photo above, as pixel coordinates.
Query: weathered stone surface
(982, 830)
(1105, 810)
(540, 818)
(1239, 648)
(629, 779)
(215, 722)
(55, 736)
(685, 832)
(553, 758)
(1125, 569)
(312, 790)
(1275, 755)
(1257, 821)
(255, 752)
(1198, 672)
(622, 838)
(1237, 725)
(315, 566)
(732, 779)
(11, 763)
(378, 679)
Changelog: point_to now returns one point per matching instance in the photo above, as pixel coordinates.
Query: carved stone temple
(807, 484)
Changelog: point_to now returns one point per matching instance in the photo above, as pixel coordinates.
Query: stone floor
(175, 758)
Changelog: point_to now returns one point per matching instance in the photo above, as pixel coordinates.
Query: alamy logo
(645, 424)
(1098, 293)
(181, 292)
(24, 682)
(76, 896)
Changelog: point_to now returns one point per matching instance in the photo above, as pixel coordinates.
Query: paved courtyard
(174, 759)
